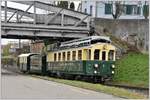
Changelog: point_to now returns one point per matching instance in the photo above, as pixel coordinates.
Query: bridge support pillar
(62, 19)
(5, 11)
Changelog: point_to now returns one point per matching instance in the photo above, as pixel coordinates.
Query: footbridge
(53, 22)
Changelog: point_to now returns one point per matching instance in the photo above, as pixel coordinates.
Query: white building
(104, 9)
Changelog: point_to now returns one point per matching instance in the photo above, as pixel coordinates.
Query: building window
(55, 56)
(139, 10)
(59, 56)
(134, 9)
(108, 8)
(79, 54)
(64, 56)
(85, 10)
(68, 55)
(74, 55)
(91, 9)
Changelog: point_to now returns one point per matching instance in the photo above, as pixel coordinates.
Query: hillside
(132, 69)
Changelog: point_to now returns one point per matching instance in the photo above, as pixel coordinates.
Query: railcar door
(36, 63)
(44, 65)
(28, 63)
(104, 64)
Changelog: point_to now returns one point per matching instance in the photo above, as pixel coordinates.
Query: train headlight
(113, 66)
(96, 65)
(95, 71)
(112, 72)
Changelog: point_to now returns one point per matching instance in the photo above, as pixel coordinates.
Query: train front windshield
(100, 41)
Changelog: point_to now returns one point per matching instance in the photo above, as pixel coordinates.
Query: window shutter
(129, 9)
(145, 9)
(108, 8)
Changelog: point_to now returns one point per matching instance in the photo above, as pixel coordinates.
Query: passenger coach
(91, 57)
(30, 62)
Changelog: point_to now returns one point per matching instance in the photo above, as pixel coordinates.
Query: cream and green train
(91, 57)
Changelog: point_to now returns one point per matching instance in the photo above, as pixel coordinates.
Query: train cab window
(55, 56)
(100, 40)
(103, 55)
(59, 56)
(96, 54)
(79, 54)
(73, 55)
(68, 55)
(64, 56)
(111, 55)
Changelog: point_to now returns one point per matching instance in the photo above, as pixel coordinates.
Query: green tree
(72, 6)
(63, 4)
(119, 9)
(146, 11)
(6, 50)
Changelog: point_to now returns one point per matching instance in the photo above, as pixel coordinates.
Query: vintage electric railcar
(90, 57)
(87, 57)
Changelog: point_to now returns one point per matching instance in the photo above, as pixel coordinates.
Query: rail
(142, 90)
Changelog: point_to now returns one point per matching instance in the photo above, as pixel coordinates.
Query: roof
(100, 37)
(85, 39)
(27, 54)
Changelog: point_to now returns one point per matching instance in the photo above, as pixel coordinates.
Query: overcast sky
(24, 7)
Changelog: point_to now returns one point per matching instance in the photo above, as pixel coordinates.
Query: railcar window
(111, 55)
(73, 55)
(64, 55)
(55, 56)
(79, 54)
(35, 60)
(88, 54)
(68, 55)
(59, 56)
(100, 40)
(103, 55)
(96, 54)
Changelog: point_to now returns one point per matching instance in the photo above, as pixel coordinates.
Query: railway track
(142, 90)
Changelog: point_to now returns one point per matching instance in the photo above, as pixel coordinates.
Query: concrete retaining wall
(134, 31)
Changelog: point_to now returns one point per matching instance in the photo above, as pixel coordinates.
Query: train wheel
(78, 77)
(24, 72)
(95, 79)
(70, 77)
(58, 75)
(102, 80)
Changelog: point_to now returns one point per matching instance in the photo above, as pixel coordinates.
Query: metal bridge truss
(61, 23)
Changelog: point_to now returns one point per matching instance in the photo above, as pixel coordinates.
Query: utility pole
(19, 46)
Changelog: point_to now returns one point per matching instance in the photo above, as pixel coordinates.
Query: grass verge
(132, 70)
(96, 87)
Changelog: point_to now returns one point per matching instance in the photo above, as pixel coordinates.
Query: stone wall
(134, 31)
